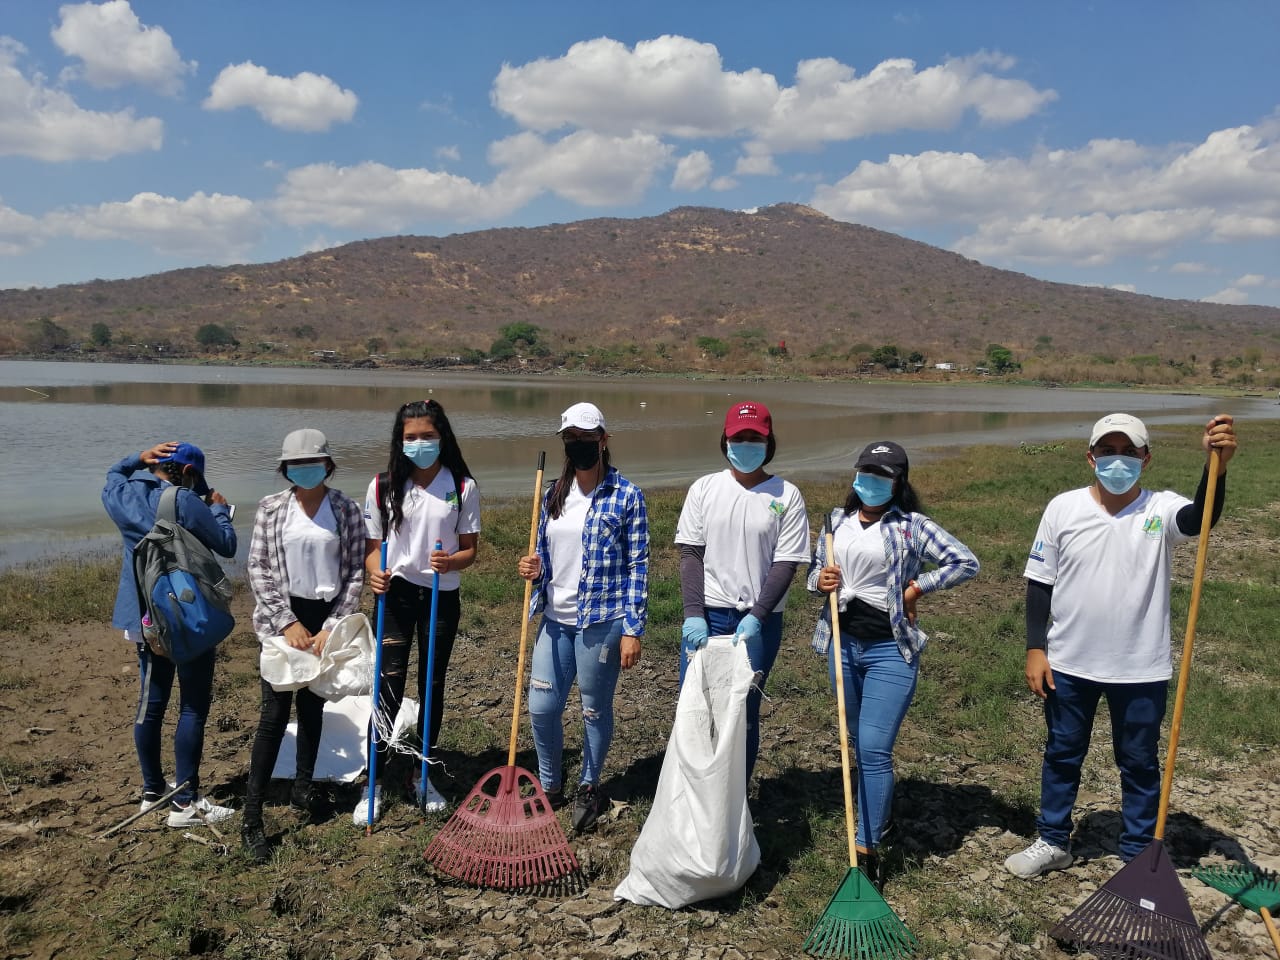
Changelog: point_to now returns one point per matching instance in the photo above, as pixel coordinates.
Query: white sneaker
(151, 801)
(360, 815)
(197, 812)
(434, 800)
(1040, 857)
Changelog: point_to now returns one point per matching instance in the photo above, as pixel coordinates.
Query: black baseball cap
(885, 457)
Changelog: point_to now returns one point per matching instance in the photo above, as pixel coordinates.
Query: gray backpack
(183, 593)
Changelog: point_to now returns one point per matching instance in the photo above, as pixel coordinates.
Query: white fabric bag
(343, 669)
(698, 841)
(343, 756)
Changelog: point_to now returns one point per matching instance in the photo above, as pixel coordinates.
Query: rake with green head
(1252, 887)
(857, 922)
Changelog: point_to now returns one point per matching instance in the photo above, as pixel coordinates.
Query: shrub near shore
(968, 760)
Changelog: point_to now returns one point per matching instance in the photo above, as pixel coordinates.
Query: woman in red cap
(742, 533)
(881, 541)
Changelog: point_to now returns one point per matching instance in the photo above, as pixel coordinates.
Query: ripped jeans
(560, 654)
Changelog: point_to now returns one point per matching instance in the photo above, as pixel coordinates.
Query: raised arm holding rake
(1098, 625)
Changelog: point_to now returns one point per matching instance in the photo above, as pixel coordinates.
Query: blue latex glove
(748, 629)
(694, 632)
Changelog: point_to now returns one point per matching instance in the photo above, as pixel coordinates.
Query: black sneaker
(872, 868)
(255, 843)
(589, 803)
(306, 802)
(555, 798)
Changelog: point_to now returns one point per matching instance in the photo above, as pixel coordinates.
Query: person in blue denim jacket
(882, 541)
(590, 572)
(131, 497)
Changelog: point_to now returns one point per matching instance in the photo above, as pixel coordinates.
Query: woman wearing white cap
(882, 540)
(591, 577)
(742, 534)
(306, 570)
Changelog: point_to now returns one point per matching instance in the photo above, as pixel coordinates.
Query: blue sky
(1125, 144)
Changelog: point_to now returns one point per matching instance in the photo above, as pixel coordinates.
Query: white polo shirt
(1110, 577)
(430, 514)
(743, 532)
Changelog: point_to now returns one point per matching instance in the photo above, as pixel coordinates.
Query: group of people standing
(742, 534)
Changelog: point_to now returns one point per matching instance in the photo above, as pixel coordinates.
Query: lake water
(63, 424)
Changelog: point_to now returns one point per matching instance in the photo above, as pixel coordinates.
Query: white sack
(698, 841)
(343, 669)
(344, 754)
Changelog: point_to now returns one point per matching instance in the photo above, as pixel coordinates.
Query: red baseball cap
(748, 416)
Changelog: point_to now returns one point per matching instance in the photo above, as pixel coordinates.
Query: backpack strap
(380, 493)
(168, 508)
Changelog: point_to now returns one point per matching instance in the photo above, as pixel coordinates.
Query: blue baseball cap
(189, 455)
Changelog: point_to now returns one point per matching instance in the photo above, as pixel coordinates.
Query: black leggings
(275, 717)
(409, 615)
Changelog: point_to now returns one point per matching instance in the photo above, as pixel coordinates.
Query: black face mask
(583, 454)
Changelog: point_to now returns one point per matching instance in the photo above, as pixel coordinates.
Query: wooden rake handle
(1271, 928)
(524, 612)
(845, 766)
(1184, 670)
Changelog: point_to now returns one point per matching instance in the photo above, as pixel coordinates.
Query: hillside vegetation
(783, 290)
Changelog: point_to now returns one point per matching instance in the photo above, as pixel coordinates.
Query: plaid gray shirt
(269, 579)
(910, 540)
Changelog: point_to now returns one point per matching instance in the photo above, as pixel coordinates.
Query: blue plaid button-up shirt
(614, 581)
(910, 539)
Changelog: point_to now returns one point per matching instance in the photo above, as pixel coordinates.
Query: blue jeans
(878, 687)
(722, 621)
(560, 654)
(195, 694)
(1137, 710)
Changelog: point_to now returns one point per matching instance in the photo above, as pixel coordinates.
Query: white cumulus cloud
(215, 226)
(692, 171)
(308, 102)
(1106, 199)
(1250, 280)
(18, 232)
(117, 49)
(669, 85)
(1190, 266)
(586, 167)
(675, 86)
(1230, 295)
(46, 124)
(379, 198)
(830, 102)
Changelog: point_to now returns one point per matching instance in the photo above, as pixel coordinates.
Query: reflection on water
(63, 424)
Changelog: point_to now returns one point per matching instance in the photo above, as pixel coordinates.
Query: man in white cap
(1098, 626)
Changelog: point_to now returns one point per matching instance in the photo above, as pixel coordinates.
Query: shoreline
(508, 371)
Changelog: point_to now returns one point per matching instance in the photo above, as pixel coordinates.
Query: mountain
(693, 288)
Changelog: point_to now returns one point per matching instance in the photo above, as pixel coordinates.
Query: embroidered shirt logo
(1037, 551)
(451, 499)
(777, 507)
(1153, 527)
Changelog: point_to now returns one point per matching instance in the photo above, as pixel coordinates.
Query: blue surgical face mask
(746, 456)
(308, 476)
(1118, 473)
(872, 489)
(422, 452)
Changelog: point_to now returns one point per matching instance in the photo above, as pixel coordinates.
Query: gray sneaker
(1040, 857)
